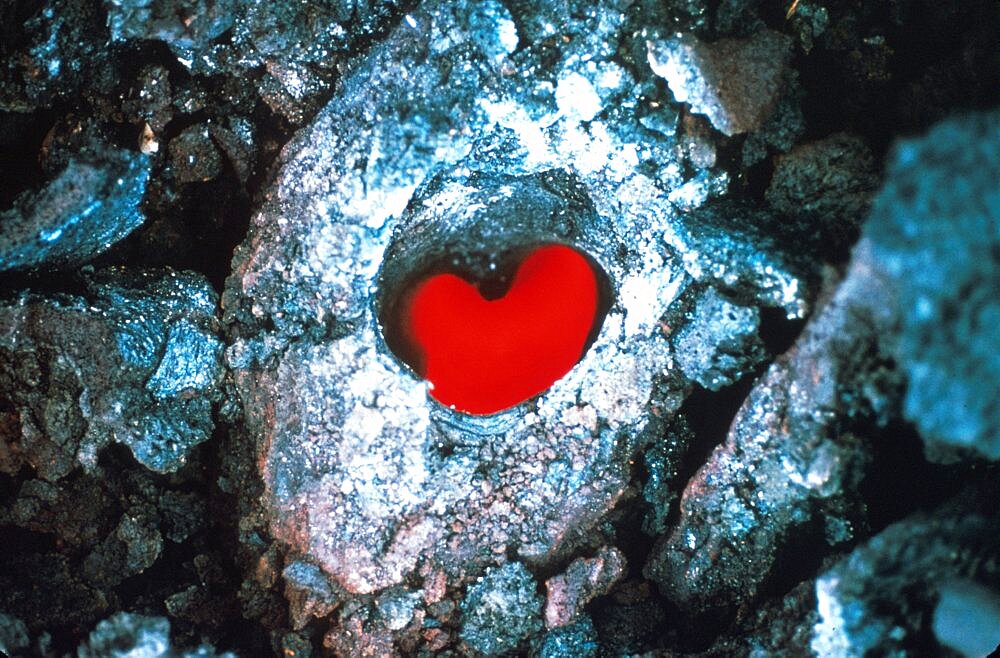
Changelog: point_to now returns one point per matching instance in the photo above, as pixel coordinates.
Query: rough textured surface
(830, 182)
(791, 460)
(779, 627)
(578, 640)
(130, 636)
(415, 481)
(184, 26)
(13, 635)
(87, 207)
(584, 580)
(719, 345)
(376, 478)
(51, 52)
(748, 253)
(935, 231)
(733, 82)
(336, 511)
(134, 359)
(880, 599)
(501, 610)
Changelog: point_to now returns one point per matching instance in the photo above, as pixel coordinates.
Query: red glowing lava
(485, 355)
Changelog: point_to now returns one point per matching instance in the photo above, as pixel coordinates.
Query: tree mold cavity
(493, 287)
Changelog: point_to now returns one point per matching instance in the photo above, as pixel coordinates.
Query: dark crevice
(21, 137)
(900, 480)
(710, 415)
(777, 331)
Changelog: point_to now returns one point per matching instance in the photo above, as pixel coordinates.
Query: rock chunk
(127, 635)
(13, 635)
(309, 592)
(748, 253)
(734, 82)
(720, 344)
(501, 609)
(193, 155)
(135, 359)
(578, 640)
(53, 54)
(365, 474)
(584, 580)
(793, 456)
(92, 204)
(935, 234)
(829, 182)
(888, 595)
(185, 25)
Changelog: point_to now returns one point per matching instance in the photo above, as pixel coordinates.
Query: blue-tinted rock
(749, 253)
(92, 204)
(881, 599)
(501, 609)
(792, 460)
(53, 54)
(935, 233)
(310, 593)
(967, 618)
(13, 635)
(662, 460)
(185, 25)
(429, 152)
(578, 640)
(719, 344)
(127, 635)
(135, 359)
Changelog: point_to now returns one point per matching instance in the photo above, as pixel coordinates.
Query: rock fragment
(734, 82)
(133, 547)
(584, 580)
(748, 253)
(881, 599)
(662, 459)
(792, 456)
(127, 635)
(935, 235)
(777, 627)
(967, 618)
(414, 481)
(151, 102)
(193, 155)
(86, 208)
(13, 635)
(720, 344)
(309, 592)
(447, 144)
(500, 610)
(135, 360)
(54, 54)
(186, 26)
(578, 640)
(830, 182)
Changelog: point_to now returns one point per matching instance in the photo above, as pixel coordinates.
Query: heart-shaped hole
(490, 345)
